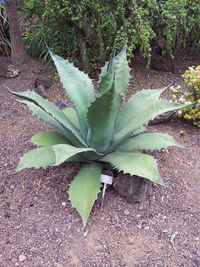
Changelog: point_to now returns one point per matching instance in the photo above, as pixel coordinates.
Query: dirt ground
(38, 226)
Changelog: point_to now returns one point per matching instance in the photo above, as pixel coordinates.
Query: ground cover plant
(98, 132)
(190, 113)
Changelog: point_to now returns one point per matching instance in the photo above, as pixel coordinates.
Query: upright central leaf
(101, 117)
(116, 74)
(78, 86)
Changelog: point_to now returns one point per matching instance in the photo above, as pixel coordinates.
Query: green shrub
(4, 33)
(192, 81)
(89, 28)
(95, 132)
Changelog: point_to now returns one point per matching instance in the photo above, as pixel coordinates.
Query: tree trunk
(18, 53)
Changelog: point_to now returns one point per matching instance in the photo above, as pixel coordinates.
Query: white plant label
(106, 179)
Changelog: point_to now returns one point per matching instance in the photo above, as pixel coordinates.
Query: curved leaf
(135, 164)
(148, 141)
(140, 108)
(84, 189)
(48, 139)
(78, 86)
(64, 152)
(101, 117)
(71, 115)
(43, 115)
(53, 111)
(37, 158)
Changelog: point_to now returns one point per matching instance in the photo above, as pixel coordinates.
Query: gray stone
(134, 188)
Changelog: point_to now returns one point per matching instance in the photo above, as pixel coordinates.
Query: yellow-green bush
(192, 95)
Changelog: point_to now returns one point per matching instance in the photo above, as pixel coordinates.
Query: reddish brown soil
(37, 220)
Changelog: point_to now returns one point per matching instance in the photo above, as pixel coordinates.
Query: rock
(146, 228)
(41, 86)
(12, 187)
(165, 117)
(139, 225)
(134, 188)
(22, 258)
(8, 70)
(41, 91)
(130, 240)
(61, 104)
(12, 71)
(45, 83)
(126, 212)
(64, 204)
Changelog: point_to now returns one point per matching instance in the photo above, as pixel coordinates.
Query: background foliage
(4, 33)
(89, 28)
(85, 31)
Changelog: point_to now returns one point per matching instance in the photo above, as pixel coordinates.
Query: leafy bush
(192, 81)
(4, 33)
(89, 28)
(96, 133)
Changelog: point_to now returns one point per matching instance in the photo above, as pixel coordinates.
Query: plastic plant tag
(106, 179)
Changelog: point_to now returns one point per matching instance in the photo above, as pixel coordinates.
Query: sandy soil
(38, 227)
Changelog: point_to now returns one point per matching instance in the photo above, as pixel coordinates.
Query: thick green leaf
(140, 108)
(148, 141)
(48, 139)
(78, 86)
(122, 72)
(139, 131)
(116, 74)
(64, 152)
(71, 115)
(43, 115)
(106, 78)
(54, 112)
(37, 158)
(135, 164)
(101, 117)
(84, 189)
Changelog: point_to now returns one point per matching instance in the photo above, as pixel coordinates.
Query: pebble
(64, 204)
(130, 240)
(22, 258)
(12, 187)
(126, 212)
(139, 225)
(147, 228)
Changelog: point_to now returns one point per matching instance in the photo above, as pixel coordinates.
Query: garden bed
(38, 226)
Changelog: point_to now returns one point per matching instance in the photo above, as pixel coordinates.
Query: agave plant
(97, 132)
